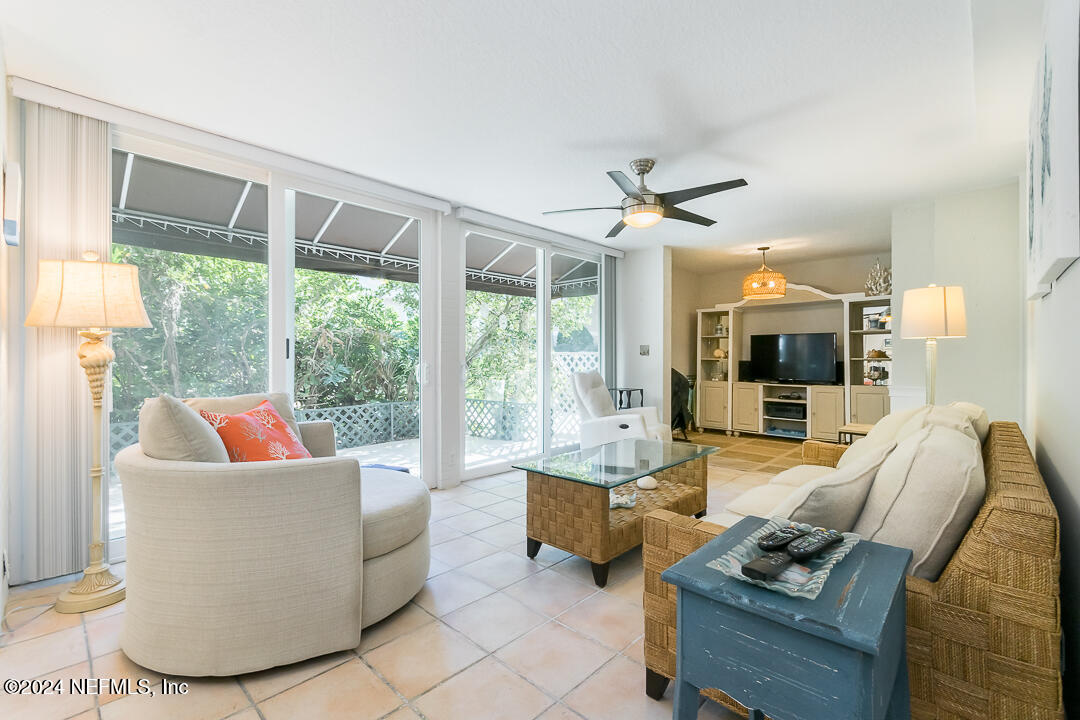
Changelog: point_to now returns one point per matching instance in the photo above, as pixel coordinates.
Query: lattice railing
(372, 423)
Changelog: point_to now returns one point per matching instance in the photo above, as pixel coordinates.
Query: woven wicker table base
(576, 517)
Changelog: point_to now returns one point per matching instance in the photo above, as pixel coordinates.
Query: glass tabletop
(616, 463)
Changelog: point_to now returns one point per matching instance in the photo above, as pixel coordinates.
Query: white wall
(5, 254)
(969, 239)
(643, 291)
(1055, 403)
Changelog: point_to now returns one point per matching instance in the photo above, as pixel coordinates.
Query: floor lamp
(931, 313)
(92, 295)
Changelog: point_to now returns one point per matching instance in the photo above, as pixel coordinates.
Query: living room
(520, 430)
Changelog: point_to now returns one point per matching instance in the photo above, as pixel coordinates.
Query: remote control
(767, 566)
(779, 538)
(810, 545)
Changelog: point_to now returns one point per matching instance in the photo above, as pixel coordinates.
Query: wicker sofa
(984, 639)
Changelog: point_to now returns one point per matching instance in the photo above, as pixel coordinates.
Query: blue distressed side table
(840, 655)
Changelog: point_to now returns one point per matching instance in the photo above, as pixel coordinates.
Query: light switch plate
(643, 349)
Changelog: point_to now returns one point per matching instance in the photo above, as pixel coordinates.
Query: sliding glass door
(575, 338)
(199, 240)
(502, 381)
(357, 327)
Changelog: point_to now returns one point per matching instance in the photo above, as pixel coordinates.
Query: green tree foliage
(357, 339)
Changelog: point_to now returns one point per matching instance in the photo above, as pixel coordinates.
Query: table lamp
(930, 313)
(92, 295)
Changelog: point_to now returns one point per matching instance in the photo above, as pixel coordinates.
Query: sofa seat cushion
(834, 500)
(925, 496)
(760, 501)
(801, 474)
(396, 507)
(724, 518)
(170, 430)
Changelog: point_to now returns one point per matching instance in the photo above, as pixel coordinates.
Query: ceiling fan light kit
(642, 208)
(764, 283)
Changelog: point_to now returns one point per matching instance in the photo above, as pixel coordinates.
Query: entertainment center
(798, 367)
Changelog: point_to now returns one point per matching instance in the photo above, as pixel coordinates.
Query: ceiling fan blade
(616, 230)
(677, 196)
(679, 214)
(625, 184)
(606, 207)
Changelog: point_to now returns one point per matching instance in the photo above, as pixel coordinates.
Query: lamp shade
(933, 312)
(87, 294)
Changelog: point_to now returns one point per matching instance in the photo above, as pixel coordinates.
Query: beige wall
(971, 239)
(684, 298)
(691, 291)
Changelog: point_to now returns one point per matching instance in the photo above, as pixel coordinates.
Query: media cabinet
(726, 402)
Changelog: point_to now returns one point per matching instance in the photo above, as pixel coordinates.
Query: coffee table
(568, 496)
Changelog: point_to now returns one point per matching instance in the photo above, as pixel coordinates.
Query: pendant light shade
(764, 283)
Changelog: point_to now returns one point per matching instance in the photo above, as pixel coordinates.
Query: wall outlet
(643, 350)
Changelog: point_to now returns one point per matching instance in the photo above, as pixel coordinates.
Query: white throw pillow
(979, 419)
(937, 415)
(834, 500)
(883, 433)
(925, 497)
(801, 474)
(236, 404)
(760, 501)
(170, 430)
(598, 402)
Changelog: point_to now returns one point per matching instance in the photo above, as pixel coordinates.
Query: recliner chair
(602, 423)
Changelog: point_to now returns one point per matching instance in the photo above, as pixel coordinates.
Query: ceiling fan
(642, 208)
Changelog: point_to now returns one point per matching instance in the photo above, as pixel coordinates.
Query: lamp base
(84, 597)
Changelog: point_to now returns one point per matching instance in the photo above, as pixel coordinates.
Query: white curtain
(67, 200)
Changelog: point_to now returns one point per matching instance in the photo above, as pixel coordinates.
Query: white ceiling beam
(500, 256)
(239, 204)
(397, 236)
(326, 223)
(529, 272)
(127, 180)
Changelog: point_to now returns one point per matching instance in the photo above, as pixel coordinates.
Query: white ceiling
(835, 112)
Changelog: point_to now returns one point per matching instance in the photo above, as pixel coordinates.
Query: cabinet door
(869, 403)
(826, 412)
(713, 405)
(744, 408)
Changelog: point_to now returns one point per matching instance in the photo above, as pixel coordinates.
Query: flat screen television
(793, 358)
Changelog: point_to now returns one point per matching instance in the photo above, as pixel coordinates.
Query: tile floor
(493, 634)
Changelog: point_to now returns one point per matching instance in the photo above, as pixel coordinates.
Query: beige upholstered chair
(602, 423)
(237, 567)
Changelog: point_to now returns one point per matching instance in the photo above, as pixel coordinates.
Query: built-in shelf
(872, 332)
(719, 337)
(798, 420)
(864, 359)
(784, 400)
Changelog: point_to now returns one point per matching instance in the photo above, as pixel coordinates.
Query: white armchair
(602, 423)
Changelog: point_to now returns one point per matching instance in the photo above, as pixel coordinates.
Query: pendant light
(764, 283)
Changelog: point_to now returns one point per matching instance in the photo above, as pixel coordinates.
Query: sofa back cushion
(883, 433)
(170, 430)
(258, 434)
(925, 496)
(834, 500)
(978, 417)
(942, 415)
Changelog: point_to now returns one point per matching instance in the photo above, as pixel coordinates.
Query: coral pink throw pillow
(258, 434)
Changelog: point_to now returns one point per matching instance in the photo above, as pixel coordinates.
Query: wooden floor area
(750, 453)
